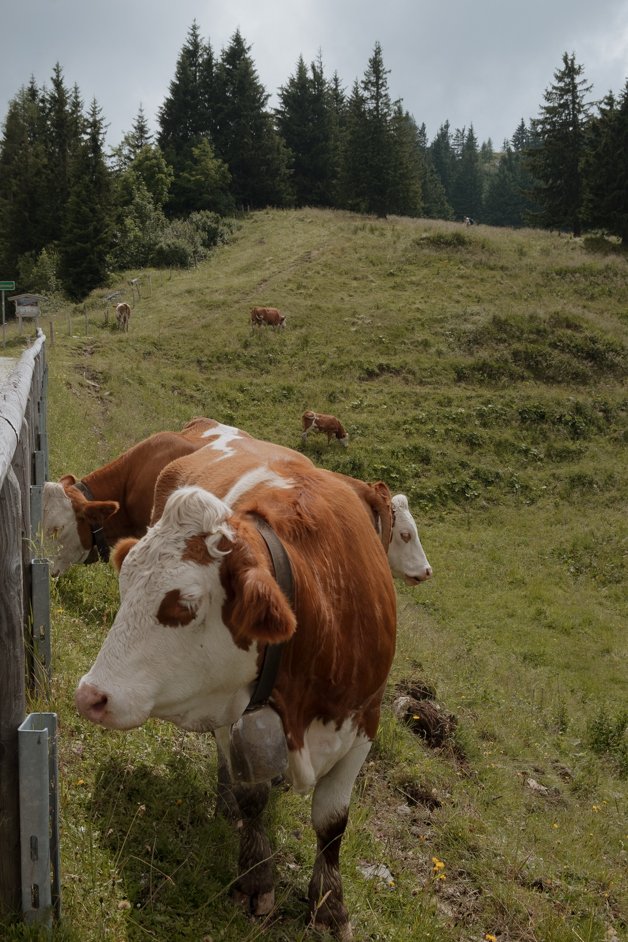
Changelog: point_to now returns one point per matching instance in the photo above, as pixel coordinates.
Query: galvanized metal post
(39, 818)
(42, 655)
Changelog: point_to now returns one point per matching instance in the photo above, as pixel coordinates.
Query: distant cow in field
(123, 315)
(328, 424)
(267, 315)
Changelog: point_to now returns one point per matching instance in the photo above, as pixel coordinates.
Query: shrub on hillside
(172, 253)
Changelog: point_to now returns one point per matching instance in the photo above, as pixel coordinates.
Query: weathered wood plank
(14, 394)
(12, 699)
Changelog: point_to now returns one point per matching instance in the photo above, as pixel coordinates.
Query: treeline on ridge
(71, 213)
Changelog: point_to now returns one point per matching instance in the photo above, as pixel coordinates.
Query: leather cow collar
(285, 580)
(99, 542)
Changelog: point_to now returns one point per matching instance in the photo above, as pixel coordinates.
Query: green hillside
(482, 373)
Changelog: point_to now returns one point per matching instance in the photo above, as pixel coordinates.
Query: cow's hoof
(257, 904)
(340, 931)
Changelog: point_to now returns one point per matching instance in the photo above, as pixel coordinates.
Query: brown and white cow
(123, 315)
(327, 424)
(82, 519)
(267, 315)
(391, 515)
(201, 608)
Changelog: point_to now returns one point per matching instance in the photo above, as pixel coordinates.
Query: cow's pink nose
(91, 702)
(416, 580)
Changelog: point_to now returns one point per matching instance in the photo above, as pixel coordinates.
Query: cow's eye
(405, 536)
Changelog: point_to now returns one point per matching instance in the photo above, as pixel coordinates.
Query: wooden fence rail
(23, 470)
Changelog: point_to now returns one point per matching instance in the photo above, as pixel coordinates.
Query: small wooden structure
(27, 305)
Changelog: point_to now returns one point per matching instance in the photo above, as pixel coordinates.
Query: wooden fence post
(22, 436)
(12, 698)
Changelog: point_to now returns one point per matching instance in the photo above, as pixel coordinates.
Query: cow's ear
(67, 480)
(121, 549)
(381, 504)
(97, 511)
(258, 609)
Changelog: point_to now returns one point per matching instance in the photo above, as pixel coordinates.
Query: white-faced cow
(327, 424)
(123, 315)
(267, 315)
(248, 552)
(81, 520)
(390, 515)
(397, 529)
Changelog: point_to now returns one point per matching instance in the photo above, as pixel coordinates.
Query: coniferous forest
(72, 211)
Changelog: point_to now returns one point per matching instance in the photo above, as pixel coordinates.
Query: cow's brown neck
(113, 482)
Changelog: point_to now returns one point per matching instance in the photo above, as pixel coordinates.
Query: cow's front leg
(330, 811)
(245, 805)
(254, 888)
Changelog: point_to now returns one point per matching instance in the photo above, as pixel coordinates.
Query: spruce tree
(408, 167)
(337, 116)
(378, 113)
(245, 136)
(435, 205)
(444, 158)
(467, 184)
(605, 167)
(353, 187)
(87, 235)
(185, 117)
(508, 195)
(23, 189)
(132, 143)
(305, 122)
(64, 128)
(559, 136)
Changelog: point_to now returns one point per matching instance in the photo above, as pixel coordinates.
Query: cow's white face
(62, 542)
(169, 653)
(406, 556)
(168, 645)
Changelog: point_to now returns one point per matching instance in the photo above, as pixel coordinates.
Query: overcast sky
(480, 62)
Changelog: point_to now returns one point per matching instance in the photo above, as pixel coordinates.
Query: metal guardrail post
(39, 818)
(37, 509)
(42, 654)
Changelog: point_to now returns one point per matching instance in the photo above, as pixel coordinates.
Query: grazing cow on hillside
(328, 424)
(262, 585)
(123, 315)
(267, 315)
(82, 519)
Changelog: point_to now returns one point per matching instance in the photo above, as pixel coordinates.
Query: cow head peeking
(406, 555)
(68, 519)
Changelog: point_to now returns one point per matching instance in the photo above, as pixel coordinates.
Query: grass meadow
(481, 372)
